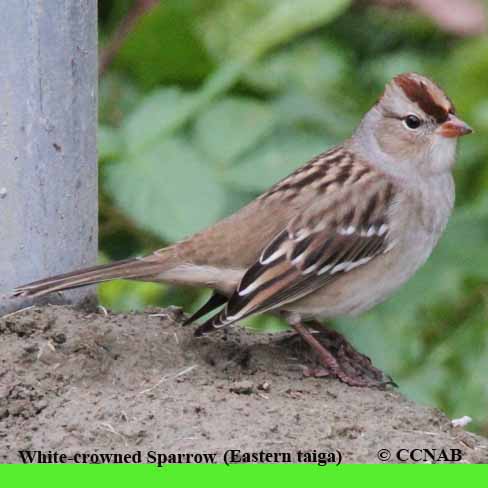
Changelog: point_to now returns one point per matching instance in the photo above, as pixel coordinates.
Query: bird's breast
(417, 221)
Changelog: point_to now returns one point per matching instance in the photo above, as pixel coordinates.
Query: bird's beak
(454, 127)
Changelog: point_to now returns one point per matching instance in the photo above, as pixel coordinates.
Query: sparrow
(334, 238)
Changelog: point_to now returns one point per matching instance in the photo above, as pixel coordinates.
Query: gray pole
(48, 157)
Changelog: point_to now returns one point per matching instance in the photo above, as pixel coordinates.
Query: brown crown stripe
(418, 93)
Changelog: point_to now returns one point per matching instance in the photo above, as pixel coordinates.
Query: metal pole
(48, 156)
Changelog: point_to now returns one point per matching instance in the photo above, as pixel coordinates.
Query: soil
(78, 382)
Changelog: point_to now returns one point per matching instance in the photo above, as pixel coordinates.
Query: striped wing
(318, 246)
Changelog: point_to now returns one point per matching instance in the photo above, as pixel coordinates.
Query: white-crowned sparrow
(336, 237)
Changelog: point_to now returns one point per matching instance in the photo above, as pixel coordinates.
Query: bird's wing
(333, 236)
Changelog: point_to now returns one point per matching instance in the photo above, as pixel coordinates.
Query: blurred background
(205, 103)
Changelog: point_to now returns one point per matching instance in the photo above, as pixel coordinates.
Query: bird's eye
(412, 122)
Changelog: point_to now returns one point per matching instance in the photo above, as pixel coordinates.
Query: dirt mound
(73, 382)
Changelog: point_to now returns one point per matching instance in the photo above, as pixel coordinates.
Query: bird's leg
(348, 355)
(338, 357)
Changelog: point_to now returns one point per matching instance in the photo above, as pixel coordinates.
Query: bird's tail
(135, 269)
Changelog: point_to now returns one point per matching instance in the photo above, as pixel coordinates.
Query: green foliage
(230, 127)
(209, 102)
(171, 207)
(164, 47)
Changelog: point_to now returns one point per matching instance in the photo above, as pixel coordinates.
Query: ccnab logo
(429, 455)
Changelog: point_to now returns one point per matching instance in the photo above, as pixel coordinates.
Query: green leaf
(383, 68)
(314, 66)
(266, 324)
(221, 26)
(274, 159)
(147, 124)
(467, 68)
(110, 143)
(230, 127)
(288, 19)
(301, 110)
(118, 97)
(167, 190)
(163, 47)
(126, 296)
(252, 27)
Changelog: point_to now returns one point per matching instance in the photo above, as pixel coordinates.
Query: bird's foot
(350, 366)
(350, 379)
(339, 359)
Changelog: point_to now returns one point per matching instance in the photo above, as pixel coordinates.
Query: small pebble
(59, 338)
(47, 354)
(242, 387)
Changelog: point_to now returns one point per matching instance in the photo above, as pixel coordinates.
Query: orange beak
(454, 127)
